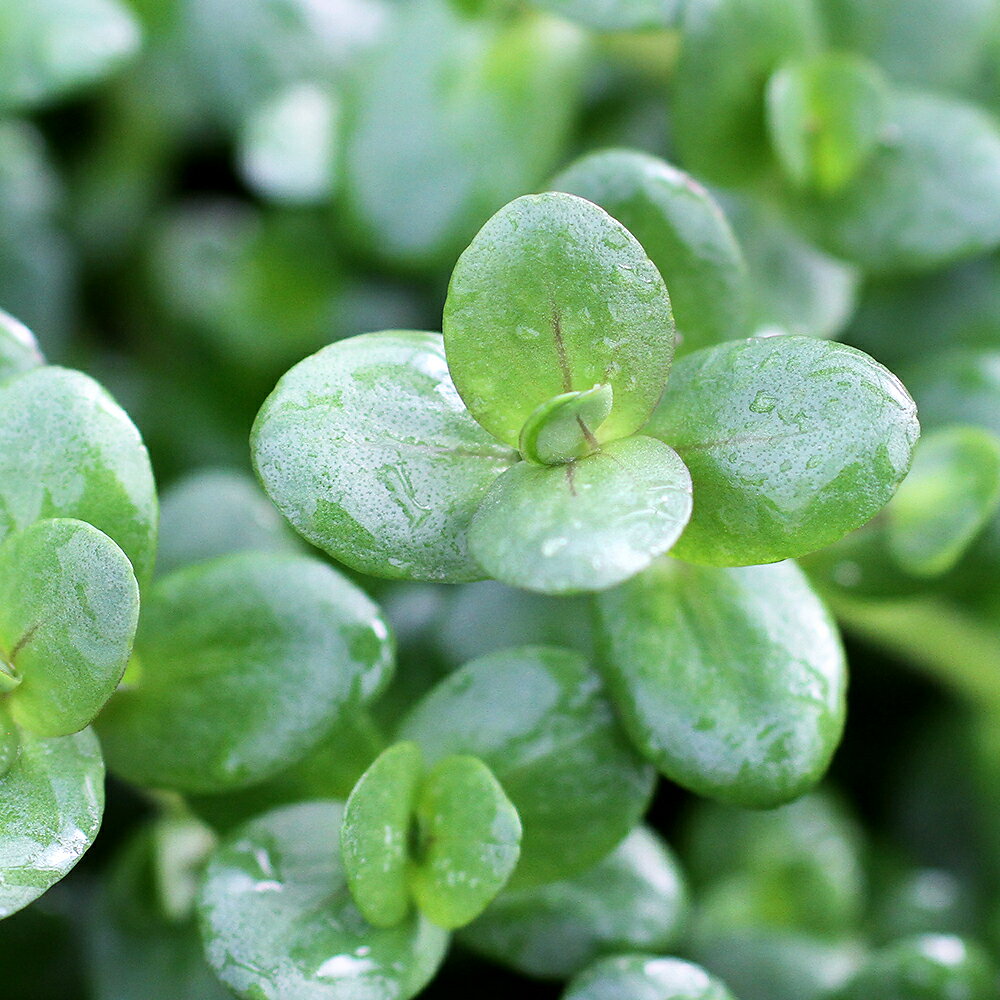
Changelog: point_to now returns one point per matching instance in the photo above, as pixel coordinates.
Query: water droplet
(526, 333)
(763, 402)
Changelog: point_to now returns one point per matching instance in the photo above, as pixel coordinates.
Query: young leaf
(826, 117)
(791, 443)
(645, 977)
(555, 296)
(537, 717)
(615, 15)
(51, 47)
(729, 48)
(585, 525)
(68, 450)
(731, 681)
(278, 920)
(468, 843)
(682, 228)
(908, 208)
(245, 663)
(69, 605)
(18, 349)
(563, 429)
(949, 496)
(369, 452)
(51, 802)
(633, 900)
(928, 967)
(375, 836)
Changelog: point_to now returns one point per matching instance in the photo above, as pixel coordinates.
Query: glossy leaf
(929, 967)
(468, 844)
(552, 296)
(68, 450)
(907, 209)
(615, 15)
(731, 681)
(375, 836)
(279, 923)
(450, 119)
(729, 49)
(18, 349)
(685, 233)
(950, 494)
(49, 48)
(791, 443)
(825, 118)
(214, 512)
(645, 977)
(51, 802)
(69, 606)
(537, 717)
(586, 525)
(370, 453)
(563, 429)
(633, 900)
(245, 663)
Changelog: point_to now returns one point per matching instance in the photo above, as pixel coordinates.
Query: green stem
(956, 648)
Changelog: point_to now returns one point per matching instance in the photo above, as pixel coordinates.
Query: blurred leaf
(826, 117)
(791, 443)
(683, 230)
(635, 899)
(538, 719)
(552, 296)
(18, 349)
(245, 664)
(68, 450)
(51, 802)
(616, 15)
(69, 606)
(49, 48)
(278, 920)
(369, 452)
(731, 681)
(585, 525)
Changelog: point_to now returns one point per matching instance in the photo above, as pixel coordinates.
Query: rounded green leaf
(826, 117)
(555, 296)
(685, 233)
(731, 681)
(69, 605)
(245, 663)
(615, 15)
(279, 923)
(929, 967)
(51, 47)
(728, 50)
(375, 836)
(585, 525)
(645, 977)
(68, 450)
(791, 443)
(18, 349)
(538, 718)
(633, 900)
(51, 803)
(950, 494)
(370, 453)
(907, 209)
(564, 428)
(468, 841)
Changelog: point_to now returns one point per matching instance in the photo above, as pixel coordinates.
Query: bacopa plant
(495, 645)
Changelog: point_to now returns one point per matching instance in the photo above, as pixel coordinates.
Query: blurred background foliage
(195, 194)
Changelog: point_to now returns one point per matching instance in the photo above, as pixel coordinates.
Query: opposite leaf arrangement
(547, 441)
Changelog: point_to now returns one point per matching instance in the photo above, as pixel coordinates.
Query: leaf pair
(447, 838)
